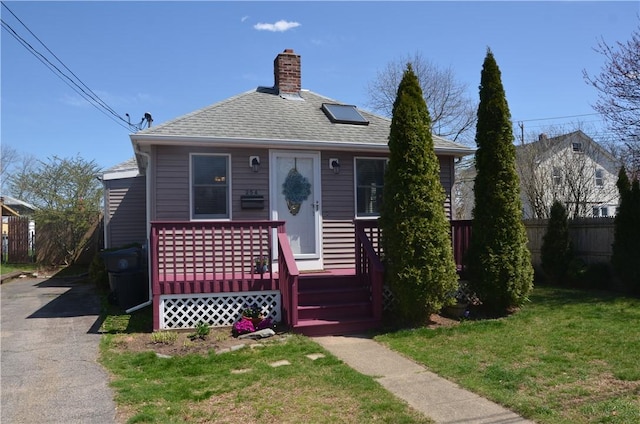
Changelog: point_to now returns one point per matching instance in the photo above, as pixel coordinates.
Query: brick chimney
(286, 71)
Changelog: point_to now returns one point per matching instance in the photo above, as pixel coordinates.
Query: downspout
(148, 220)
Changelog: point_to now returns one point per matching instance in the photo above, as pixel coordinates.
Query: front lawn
(567, 357)
(250, 385)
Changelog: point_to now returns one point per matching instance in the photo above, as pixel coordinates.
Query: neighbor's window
(369, 184)
(599, 178)
(595, 211)
(209, 186)
(577, 147)
(557, 176)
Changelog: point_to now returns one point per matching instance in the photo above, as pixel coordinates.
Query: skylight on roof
(343, 114)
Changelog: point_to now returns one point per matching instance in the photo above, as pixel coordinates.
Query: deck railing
(288, 280)
(213, 257)
(460, 238)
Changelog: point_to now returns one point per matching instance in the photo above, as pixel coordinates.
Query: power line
(557, 117)
(57, 71)
(74, 83)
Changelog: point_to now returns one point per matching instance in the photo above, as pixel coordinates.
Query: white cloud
(244, 18)
(280, 26)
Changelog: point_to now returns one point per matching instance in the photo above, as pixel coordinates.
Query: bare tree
(9, 157)
(618, 85)
(453, 113)
(23, 165)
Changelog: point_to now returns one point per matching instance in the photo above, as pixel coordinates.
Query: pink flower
(243, 326)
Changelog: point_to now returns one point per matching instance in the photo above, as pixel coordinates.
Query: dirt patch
(180, 342)
(220, 339)
(437, 321)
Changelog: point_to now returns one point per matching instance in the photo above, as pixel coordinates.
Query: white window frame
(228, 215)
(355, 184)
(576, 147)
(556, 176)
(599, 181)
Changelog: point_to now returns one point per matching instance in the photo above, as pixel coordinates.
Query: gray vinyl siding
(447, 178)
(127, 212)
(171, 179)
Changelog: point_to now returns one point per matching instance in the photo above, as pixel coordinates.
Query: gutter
(172, 140)
(148, 221)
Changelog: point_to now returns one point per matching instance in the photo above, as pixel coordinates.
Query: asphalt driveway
(49, 347)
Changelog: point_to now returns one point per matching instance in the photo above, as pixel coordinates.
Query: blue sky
(171, 58)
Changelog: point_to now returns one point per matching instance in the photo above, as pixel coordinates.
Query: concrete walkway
(437, 398)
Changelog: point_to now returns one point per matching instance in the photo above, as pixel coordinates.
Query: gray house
(269, 197)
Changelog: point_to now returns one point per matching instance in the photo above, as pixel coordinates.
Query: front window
(209, 187)
(369, 185)
(576, 147)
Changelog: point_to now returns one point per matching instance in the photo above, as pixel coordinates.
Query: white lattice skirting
(215, 309)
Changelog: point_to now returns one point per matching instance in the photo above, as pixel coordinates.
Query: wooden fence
(592, 238)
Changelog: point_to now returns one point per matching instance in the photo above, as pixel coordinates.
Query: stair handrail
(369, 266)
(287, 278)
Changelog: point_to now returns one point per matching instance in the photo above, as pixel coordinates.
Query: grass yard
(241, 386)
(567, 357)
(6, 268)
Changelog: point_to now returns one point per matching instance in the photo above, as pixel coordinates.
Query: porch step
(335, 311)
(319, 327)
(333, 304)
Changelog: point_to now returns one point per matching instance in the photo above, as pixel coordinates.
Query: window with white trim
(369, 185)
(210, 186)
(599, 178)
(557, 176)
(576, 147)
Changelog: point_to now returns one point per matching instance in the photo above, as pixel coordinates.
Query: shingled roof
(267, 114)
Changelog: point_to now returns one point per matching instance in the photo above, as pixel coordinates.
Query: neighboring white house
(572, 168)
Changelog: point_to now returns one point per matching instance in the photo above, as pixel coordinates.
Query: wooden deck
(200, 258)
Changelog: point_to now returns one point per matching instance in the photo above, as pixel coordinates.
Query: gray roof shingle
(262, 114)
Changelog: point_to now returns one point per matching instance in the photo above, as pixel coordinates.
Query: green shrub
(556, 252)
(202, 330)
(598, 276)
(626, 244)
(499, 263)
(418, 252)
(98, 273)
(589, 276)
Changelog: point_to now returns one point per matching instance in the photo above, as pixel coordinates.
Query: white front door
(295, 199)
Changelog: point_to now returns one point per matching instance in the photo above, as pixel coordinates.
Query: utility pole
(521, 125)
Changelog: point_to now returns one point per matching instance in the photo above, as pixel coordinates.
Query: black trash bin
(127, 280)
(128, 288)
(123, 259)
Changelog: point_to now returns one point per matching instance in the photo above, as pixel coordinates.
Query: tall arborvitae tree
(417, 246)
(499, 262)
(626, 241)
(556, 252)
